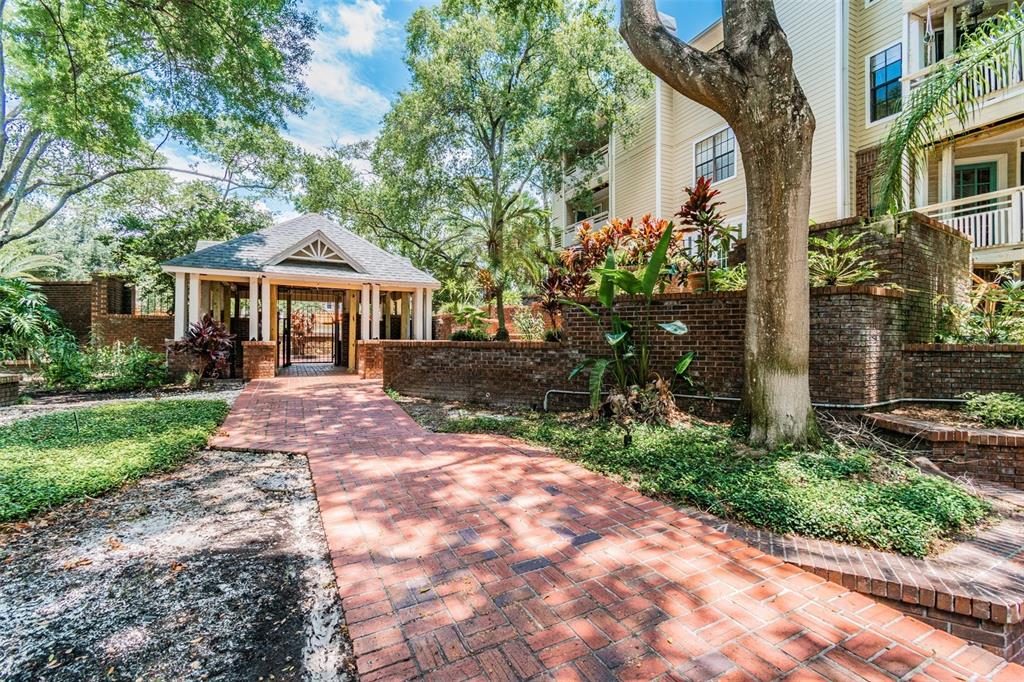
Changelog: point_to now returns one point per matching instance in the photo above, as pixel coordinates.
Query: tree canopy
(92, 89)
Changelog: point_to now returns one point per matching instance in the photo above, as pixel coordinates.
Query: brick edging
(937, 432)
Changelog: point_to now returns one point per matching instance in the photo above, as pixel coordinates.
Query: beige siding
(634, 166)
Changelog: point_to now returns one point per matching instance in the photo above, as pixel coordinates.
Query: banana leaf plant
(628, 362)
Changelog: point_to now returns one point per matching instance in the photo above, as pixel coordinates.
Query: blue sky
(357, 66)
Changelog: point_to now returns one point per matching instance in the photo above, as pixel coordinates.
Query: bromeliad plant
(637, 394)
(839, 260)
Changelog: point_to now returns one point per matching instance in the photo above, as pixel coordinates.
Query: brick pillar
(259, 359)
(9, 385)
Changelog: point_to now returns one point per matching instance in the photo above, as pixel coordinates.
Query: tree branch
(704, 77)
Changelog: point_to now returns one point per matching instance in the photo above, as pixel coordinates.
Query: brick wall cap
(963, 347)
(259, 344)
(488, 345)
(10, 378)
(938, 432)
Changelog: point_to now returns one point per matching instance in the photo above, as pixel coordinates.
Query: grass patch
(48, 460)
(835, 493)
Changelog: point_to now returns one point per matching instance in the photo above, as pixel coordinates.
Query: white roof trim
(353, 278)
(316, 255)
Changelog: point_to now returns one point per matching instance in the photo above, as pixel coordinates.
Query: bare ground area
(218, 571)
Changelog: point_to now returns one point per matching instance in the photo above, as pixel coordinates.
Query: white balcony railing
(997, 80)
(992, 219)
(569, 233)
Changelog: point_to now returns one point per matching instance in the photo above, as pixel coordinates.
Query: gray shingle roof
(253, 252)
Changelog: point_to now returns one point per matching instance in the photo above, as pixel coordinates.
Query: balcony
(996, 82)
(569, 233)
(992, 221)
(593, 172)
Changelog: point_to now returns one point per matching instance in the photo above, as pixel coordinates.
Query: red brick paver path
(468, 557)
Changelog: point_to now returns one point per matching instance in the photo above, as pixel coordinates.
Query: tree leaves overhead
(92, 90)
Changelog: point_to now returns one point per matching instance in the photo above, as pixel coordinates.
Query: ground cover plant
(835, 493)
(48, 460)
(996, 409)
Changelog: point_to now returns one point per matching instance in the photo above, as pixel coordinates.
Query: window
(972, 179)
(715, 156)
(886, 90)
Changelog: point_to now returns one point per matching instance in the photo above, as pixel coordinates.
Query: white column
(179, 305)
(914, 61)
(417, 314)
(921, 183)
(193, 299)
(265, 310)
(428, 314)
(946, 172)
(375, 311)
(254, 307)
(364, 312)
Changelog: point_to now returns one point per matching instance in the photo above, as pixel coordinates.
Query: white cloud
(361, 26)
(333, 79)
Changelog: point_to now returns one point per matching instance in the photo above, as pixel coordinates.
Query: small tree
(209, 345)
(701, 213)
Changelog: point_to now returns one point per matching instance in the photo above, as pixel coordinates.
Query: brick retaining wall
(941, 370)
(370, 359)
(151, 330)
(9, 387)
(259, 359)
(510, 373)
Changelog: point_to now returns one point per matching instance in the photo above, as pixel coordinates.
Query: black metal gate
(309, 321)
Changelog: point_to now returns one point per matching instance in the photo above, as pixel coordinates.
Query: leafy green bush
(993, 312)
(56, 458)
(469, 335)
(26, 322)
(836, 493)
(102, 368)
(529, 324)
(996, 409)
(729, 279)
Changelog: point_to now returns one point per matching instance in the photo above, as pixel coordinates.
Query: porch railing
(596, 166)
(995, 80)
(569, 233)
(992, 219)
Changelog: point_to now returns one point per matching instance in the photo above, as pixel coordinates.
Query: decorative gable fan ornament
(319, 251)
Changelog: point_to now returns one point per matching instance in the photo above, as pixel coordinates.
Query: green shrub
(996, 409)
(65, 456)
(835, 493)
(102, 368)
(729, 279)
(553, 335)
(469, 335)
(529, 324)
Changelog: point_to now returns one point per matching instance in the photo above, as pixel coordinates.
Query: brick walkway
(462, 557)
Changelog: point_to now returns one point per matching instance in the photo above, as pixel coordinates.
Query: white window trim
(1001, 168)
(868, 123)
(705, 138)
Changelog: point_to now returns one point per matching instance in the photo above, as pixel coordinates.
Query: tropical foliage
(638, 393)
(701, 215)
(951, 94)
(529, 324)
(26, 321)
(993, 312)
(209, 346)
(839, 260)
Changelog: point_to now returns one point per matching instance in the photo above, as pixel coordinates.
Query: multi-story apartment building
(857, 61)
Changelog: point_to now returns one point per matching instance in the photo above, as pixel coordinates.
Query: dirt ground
(218, 571)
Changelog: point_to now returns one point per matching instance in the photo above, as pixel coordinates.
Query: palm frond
(19, 264)
(952, 93)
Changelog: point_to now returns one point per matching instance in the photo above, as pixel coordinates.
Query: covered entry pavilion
(302, 291)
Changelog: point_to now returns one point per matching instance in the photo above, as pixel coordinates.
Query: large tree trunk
(777, 164)
(751, 83)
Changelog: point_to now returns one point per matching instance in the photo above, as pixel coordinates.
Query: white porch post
(921, 183)
(428, 314)
(417, 314)
(193, 299)
(364, 312)
(375, 311)
(946, 172)
(265, 310)
(254, 307)
(405, 316)
(179, 305)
